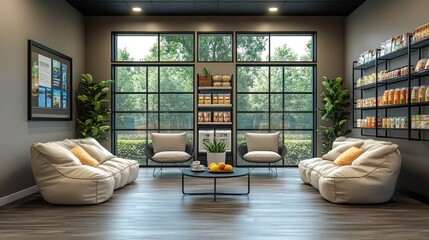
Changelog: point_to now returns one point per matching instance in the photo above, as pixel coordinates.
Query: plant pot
(204, 81)
(215, 157)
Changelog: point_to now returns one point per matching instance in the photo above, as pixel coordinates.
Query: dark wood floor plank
(277, 208)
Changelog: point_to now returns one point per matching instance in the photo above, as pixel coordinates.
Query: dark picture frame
(49, 84)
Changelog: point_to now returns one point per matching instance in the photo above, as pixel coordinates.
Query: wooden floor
(277, 208)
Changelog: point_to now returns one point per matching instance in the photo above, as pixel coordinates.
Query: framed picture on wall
(49, 84)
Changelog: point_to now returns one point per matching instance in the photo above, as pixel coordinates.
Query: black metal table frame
(215, 192)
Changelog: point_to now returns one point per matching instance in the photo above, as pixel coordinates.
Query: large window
(151, 98)
(154, 74)
(277, 97)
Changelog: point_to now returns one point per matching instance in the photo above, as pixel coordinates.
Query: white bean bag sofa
(62, 179)
(370, 179)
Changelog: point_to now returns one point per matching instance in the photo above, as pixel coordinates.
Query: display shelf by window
(381, 128)
(214, 88)
(215, 123)
(365, 66)
(215, 105)
(365, 108)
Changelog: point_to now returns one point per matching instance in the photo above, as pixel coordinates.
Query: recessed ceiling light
(273, 9)
(137, 9)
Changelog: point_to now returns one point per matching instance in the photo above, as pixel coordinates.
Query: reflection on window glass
(130, 121)
(176, 102)
(130, 102)
(176, 120)
(176, 47)
(252, 121)
(298, 79)
(298, 121)
(252, 102)
(252, 79)
(136, 47)
(214, 47)
(176, 79)
(252, 47)
(298, 102)
(291, 48)
(130, 79)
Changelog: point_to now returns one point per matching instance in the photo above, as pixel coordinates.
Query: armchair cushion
(83, 156)
(262, 141)
(168, 141)
(262, 156)
(171, 156)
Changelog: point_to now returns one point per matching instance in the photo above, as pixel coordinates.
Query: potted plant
(92, 114)
(336, 110)
(205, 80)
(216, 151)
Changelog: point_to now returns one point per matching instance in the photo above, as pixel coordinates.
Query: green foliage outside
(215, 47)
(92, 113)
(335, 111)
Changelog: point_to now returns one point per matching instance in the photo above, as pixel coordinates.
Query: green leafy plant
(215, 146)
(92, 113)
(206, 72)
(336, 111)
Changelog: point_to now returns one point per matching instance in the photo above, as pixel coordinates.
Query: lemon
(211, 164)
(221, 165)
(214, 168)
(228, 168)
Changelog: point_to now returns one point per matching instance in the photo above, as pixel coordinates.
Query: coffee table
(238, 172)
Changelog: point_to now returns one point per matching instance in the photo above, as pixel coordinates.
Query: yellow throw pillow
(84, 157)
(347, 157)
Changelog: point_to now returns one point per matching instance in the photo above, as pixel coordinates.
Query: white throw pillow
(56, 153)
(168, 142)
(263, 141)
(262, 156)
(171, 156)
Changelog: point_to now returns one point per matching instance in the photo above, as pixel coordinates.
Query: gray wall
(330, 42)
(373, 22)
(52, 23)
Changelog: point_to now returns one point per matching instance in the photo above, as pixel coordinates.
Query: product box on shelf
(204, 136)
(224, 136)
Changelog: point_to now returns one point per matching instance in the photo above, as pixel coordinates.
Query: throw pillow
(347, 157)
(263, 141)
(168, 142)
(83, 156)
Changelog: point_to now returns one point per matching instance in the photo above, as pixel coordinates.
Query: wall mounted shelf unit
(410, 119)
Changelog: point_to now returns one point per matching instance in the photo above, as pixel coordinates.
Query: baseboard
(414, 195)
(18, 195)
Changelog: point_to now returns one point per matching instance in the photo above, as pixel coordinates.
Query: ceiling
(216, 7)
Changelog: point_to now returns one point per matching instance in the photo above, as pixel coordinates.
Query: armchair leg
(273, 171)
(154, 173)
